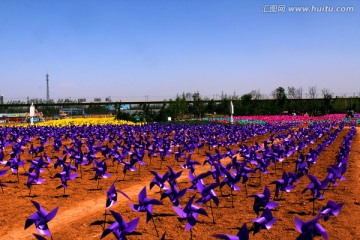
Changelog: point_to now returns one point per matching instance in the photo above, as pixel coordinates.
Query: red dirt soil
(81, 210)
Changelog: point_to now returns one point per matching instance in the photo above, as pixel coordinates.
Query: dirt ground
(81, 210)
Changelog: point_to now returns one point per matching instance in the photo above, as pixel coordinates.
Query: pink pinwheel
(41, 219)
(120, 228)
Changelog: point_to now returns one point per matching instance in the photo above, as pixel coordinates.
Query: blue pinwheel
(190, 213)
(120, 228)
(41, 219)
(262, 200)
(243, 234)
(145, 205)
(310, 229)
(265, 221)
(331, 209)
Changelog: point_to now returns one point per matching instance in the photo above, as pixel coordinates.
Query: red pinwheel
(120, 228)
(41, 219)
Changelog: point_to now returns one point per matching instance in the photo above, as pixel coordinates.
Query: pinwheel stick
(157, 233)
(104, 219)
(212, 212)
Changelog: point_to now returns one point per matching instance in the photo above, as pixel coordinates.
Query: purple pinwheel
(111, 198)
(231, 181)
(282, 185)
(331, 209)
(66, 175)
(263, 200)
(159, 180)
(40, 219)
(310, 229)
(33, 178)
(315, 187)
(120, 228)
(145, 205)
(60, 161)
(190, 213)
(207, 194)
(100, 171)
(190, 164)
(38, 164)
(243, 234)
(265, 221)
(173, 194)
(173, 175)
(2, 173)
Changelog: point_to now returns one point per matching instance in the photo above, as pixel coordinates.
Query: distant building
(108, 99)
(97, 99)
(81, 100)
(1, 99)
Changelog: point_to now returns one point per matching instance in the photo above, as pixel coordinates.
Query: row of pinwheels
(38, 165)
(129, 147)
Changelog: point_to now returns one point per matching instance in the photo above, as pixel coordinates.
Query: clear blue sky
(128, 49)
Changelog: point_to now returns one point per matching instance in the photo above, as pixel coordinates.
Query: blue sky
(129, 49)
